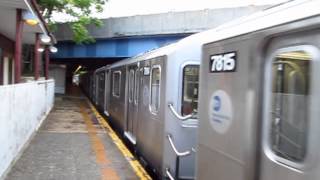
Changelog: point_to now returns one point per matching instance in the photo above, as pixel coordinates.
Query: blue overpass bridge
(113, 48)
(124, 37)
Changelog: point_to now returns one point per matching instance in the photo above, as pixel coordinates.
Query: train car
(259, 97)
(153, 100)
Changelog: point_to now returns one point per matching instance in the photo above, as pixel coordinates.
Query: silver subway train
(257, 113)
(152, 100)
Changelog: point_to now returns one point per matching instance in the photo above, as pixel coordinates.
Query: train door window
(131, 85)
(190, 89)
(155, 84)
(136, 86)
(289, 107)
(116, 82)
(101, 82)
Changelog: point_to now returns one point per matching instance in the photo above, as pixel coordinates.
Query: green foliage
(81, 13)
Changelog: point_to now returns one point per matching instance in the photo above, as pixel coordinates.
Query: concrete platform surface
(71, 145)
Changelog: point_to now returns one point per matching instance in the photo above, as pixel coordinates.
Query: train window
(155, 88)
(131, 85)
(101, 82)
(116, 82)
(190, 89)
(136, 86)
(290, 104)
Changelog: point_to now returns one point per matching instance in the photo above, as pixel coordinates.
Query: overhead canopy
(8, 20)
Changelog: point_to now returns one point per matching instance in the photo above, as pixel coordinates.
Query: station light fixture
(41, 49)
(45, 38)
(53, 49)
(29, 18)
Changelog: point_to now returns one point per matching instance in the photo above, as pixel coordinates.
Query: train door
(132, 102)
(96, 83)
(93, 87)
(151, 127)
(290, 140)
(91, 84)
(101, 90)
(107, 92)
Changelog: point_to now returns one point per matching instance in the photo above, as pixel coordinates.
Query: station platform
(75, 143)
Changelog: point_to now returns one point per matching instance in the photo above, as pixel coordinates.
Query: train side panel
(227, 128)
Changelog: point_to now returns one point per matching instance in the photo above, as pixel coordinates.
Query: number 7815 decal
(225, 62)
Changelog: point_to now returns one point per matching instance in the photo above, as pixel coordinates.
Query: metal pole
(18, 46)
(47, 62)
(36, 57)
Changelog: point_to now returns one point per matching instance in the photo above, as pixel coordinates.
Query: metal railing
(169, 175)
(178, 156)
(177, 115)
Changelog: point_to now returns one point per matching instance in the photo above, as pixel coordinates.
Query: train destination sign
(225, 62)
(146, 71)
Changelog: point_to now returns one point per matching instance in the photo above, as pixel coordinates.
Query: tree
(79, 10)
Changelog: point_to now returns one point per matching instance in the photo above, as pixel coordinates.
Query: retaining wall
(23, 107)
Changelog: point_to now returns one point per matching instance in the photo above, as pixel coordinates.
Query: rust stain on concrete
(67, 118)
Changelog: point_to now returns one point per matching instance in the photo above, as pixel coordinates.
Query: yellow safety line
(135, 164)
(107, 172)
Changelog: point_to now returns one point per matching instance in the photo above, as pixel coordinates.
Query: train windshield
(190, 89)
(290, 104)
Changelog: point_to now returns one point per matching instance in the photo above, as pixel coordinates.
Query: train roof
(270, 17)
(100, 69)
(146, 55)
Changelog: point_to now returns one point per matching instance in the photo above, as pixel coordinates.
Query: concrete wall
(164, 23)
(23, 107)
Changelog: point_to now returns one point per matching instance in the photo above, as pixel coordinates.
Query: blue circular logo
(217, 103)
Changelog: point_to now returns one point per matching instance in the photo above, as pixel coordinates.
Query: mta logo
(217, 103)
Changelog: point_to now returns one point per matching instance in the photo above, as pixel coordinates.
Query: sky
(118, 8)
(121, 8)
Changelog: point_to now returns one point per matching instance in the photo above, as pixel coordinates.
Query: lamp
(53, 49)
(45, 38)
(29, 18)
(40, 49)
